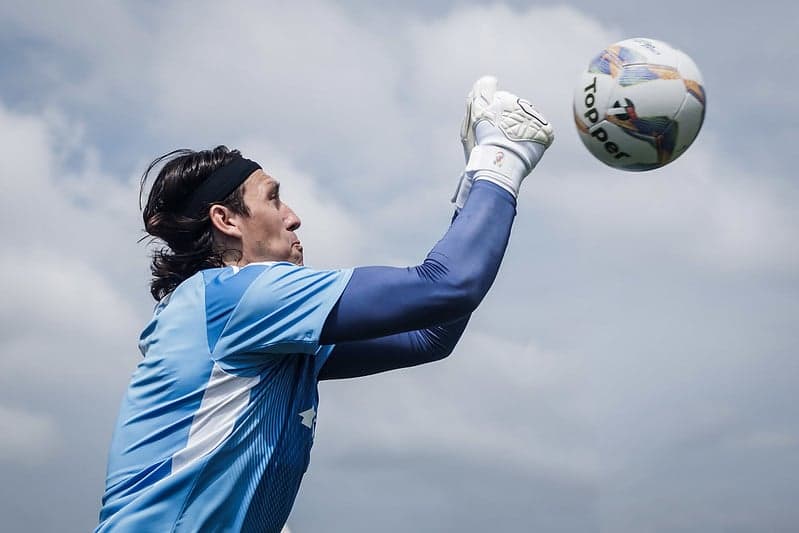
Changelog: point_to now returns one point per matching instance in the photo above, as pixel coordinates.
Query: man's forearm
(401, 350)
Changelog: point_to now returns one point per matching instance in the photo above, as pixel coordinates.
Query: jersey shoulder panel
(223, 290)
(270, 308)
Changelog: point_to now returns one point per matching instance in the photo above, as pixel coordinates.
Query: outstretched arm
(449, 284)
(504, 137)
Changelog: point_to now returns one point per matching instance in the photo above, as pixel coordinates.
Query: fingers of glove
(479, 98)
(505, 99)
(482, 94)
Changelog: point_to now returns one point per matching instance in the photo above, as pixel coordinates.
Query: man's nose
(291, 219)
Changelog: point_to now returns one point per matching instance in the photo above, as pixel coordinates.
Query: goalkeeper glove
(505, 137)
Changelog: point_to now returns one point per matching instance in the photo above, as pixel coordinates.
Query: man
(216, 428)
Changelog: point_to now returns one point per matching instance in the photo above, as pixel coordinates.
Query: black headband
(219, 185)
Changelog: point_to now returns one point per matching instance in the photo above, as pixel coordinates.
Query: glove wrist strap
(498, 165)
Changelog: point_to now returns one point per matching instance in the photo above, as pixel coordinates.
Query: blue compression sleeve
(449, 284)
(401, 350)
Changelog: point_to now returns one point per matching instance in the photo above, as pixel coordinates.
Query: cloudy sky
(634, 368)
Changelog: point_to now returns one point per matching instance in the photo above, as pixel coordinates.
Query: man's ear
(224, 221)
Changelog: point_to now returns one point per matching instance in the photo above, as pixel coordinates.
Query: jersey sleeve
(280, 309)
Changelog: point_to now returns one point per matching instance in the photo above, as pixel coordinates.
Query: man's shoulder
(225, 287)
(239, 274)
(233, 281)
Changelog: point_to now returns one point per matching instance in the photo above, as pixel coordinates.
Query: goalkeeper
(216, 428)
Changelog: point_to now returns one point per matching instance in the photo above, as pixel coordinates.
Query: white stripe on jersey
(225, 397)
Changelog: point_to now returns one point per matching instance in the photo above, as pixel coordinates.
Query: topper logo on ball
(596, 130)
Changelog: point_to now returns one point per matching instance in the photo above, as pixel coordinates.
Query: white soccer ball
(640, 104)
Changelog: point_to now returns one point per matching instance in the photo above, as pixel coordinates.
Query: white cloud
(333, 95)
(525, 49)
(69, 319)
(702, 209)
(28, 438)
(68, 327)
(765, 441)
(317, 83)
(479, 405)
(58, 200)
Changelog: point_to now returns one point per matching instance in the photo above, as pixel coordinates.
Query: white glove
(504, 137)
(478, 99)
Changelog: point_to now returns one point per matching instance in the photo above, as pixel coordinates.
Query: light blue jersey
(216, 428)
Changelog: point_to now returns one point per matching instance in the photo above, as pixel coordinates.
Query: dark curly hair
(190, 245)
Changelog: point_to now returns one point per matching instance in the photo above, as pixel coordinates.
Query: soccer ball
(640, 104)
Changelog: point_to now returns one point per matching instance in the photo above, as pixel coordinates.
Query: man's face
(268, 233)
